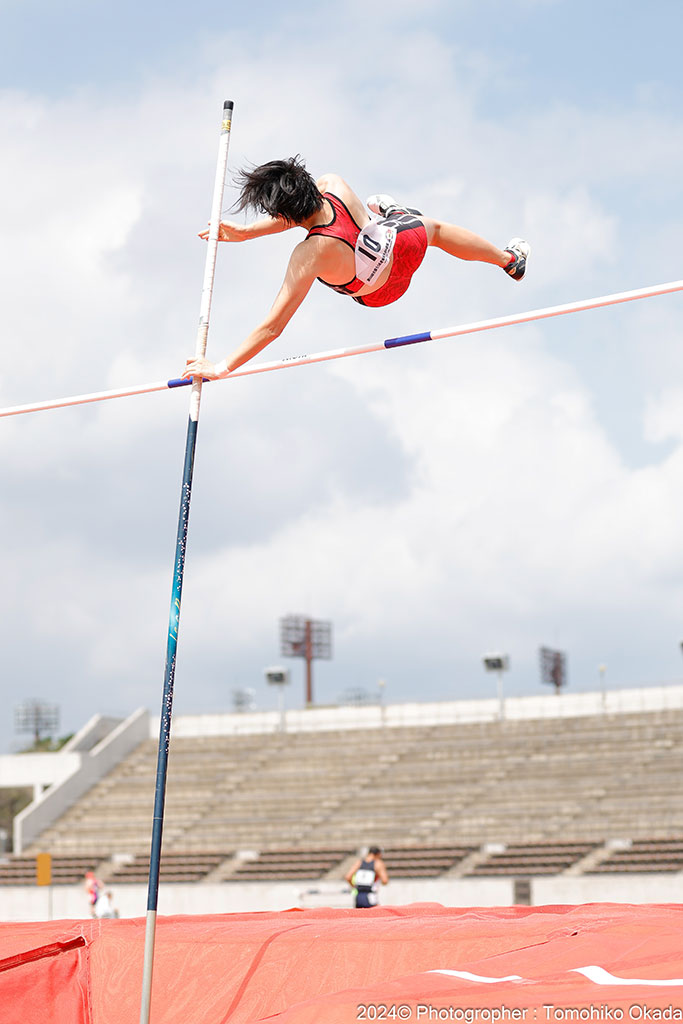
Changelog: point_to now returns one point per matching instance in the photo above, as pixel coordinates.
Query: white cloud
(428, 501)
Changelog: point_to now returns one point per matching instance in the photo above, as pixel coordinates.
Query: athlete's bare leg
(463, 243)
(457, 241)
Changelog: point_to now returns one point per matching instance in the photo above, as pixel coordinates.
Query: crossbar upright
(181, 540)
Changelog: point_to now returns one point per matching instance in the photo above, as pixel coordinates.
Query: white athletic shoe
(385, 206)
(520, 251)
(381, 204)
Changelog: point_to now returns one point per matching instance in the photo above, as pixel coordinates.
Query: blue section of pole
(169, 672)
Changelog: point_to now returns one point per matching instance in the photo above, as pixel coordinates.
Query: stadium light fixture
(553, 668)
(278, 676)
(497, 663)
(301, 637)
(37, 717)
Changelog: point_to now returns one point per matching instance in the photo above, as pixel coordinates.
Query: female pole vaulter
(370, 259)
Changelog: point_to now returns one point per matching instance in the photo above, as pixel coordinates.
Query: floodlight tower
(498, 663)
(553, 668)
(37, 717)
(301, 637)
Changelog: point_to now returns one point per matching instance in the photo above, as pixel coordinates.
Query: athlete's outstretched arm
(301, 273)
(228, 231)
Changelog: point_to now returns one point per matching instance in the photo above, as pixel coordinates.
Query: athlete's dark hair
(280, 188)
(376, 850)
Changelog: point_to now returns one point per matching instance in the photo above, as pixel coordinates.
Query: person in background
(366, 876)
(93, 888)
(104, 906)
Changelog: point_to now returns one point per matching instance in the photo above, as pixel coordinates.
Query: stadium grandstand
(561, 798)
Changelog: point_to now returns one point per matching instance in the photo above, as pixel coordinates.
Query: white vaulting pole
(181, 539)
(342, 353)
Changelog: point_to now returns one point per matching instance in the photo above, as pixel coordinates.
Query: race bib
(364, 877)
(374, 247)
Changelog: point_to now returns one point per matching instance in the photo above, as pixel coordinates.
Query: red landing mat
(422, 962)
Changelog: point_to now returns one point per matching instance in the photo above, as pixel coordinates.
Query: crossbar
(342, 353)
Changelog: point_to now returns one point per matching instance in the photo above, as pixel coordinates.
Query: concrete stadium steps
(650, 855)
(174, 867)
(307, 863)
(586, 778)
(289, 865)
(532, 859)
(424, 861)
(65, 869)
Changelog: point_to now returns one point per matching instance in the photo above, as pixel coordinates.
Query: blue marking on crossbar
(407, 339)
(180, 382)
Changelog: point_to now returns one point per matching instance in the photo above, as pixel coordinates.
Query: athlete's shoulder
(338, 185)
(332, 183)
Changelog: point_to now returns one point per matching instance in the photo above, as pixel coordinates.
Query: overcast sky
(502, 491)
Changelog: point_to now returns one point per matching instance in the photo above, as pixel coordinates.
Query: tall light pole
(277, 676)
(37, 717)
(498, 663)
(602, 669)
(381, 683)
(553, 668)
(301, 637)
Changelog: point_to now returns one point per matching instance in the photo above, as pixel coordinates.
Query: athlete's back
(340, 188)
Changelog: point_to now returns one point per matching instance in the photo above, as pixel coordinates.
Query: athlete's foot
(519, 252)
(381, 204)
(385, 206)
